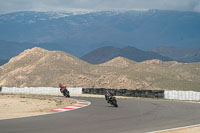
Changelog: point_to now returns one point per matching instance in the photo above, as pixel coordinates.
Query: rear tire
(66, 94)
(115, 103)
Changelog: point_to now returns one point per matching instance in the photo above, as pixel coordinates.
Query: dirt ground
(20, 105)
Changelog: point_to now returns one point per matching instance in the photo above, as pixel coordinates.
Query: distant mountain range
(107, 53)
(9, 49)
(80, 33)
(104, 54)
(189, 54)
(3, 61)
(38, 67)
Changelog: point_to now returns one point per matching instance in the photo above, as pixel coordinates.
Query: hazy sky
(60, 5)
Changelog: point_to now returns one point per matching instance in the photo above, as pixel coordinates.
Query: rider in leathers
(63, 88)
(108, 95)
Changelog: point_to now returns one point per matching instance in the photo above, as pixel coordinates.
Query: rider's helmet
(60, 85)
(107, 92)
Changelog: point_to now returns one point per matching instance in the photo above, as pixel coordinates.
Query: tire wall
(125, 92)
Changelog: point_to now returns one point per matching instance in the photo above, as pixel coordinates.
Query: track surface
(132, 116)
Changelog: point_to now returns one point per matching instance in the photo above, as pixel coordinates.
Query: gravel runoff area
(23, 105)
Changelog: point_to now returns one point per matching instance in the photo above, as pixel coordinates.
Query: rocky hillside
(39, 67)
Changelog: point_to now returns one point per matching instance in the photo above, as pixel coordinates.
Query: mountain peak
(29, 53)
(119, 62)
(36, 49)
(104, 54)
(154, 61)
(37, 64)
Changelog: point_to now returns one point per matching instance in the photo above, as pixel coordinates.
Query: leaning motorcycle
(113, 101)
(65, 93)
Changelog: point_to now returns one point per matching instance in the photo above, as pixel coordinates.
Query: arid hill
(39, 67)
(119, 62)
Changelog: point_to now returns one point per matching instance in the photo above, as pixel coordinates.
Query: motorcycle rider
(108, 95)
(63, 88)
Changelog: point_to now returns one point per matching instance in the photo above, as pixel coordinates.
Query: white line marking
(174, 128)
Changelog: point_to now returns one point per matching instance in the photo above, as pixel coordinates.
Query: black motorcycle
(112, 100)
(65, 92)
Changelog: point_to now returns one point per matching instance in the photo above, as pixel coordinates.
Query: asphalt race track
(132, 116)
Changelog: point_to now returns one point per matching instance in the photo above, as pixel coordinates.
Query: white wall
(47, 90)
(182, 95)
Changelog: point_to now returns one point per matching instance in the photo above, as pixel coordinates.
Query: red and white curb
(79, 104)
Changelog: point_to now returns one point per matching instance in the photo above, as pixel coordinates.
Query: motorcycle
(65, 92)
(113, 101)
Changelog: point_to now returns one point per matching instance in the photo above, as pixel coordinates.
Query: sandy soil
(18, 105)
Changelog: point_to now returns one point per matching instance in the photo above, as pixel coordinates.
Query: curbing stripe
(73, 107)
(67, 108)
(83, 103)
(79, 104)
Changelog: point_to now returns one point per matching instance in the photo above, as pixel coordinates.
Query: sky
(7, 6)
